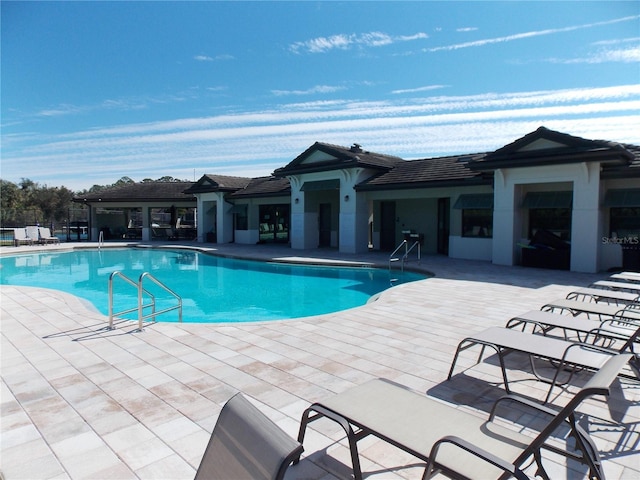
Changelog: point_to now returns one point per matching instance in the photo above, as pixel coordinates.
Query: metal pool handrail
(141, 306)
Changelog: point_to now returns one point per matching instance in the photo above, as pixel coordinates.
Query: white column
(296, 229)
(503, 220)
(224, 219)
(585, 220)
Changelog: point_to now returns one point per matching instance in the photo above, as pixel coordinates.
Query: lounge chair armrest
(473, 450)
(522, 401)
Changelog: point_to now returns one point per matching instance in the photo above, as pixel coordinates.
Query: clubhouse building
(549, 199)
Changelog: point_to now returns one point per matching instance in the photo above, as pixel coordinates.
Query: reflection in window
(624, 222)
(555, 220)
(274, 223)
(477, 222)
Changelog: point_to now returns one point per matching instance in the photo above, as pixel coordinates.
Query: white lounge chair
(458, 443)
(33, 232)
(20, 237)
(46, 237)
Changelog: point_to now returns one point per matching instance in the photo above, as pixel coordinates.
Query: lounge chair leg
(540, 471)
(504, 371)
(351, 435)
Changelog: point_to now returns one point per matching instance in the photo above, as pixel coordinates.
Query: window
(477, 214)
(550, 211)
(274, 223)
(477, 222)
(555, 220)
(242, 217)
(624, 222)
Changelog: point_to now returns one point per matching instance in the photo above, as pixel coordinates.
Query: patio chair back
(246, 444)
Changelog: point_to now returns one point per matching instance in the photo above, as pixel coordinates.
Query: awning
(548, 200)
(474, 200)
(320, 185)
(622, 197)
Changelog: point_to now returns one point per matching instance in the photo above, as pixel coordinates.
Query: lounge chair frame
(415, 423)
(629, 311)
(566, 356)
(605, 332)
(616, 286)
(599, 295)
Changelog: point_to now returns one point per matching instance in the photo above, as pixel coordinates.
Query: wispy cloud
(623, 55)
(347, 41)
(466, 29)
(63, 109)
(309, 91)
(419, 89)
(520, 36)
(617, 41)
(207, 58)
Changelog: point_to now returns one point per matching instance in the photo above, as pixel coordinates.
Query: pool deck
(82, 402)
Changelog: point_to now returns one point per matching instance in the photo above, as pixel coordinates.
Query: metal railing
(407, 250)
(141, 306)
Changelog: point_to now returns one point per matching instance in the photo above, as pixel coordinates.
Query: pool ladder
(141, 305)
(394, 257)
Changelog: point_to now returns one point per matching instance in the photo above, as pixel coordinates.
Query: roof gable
(321, 157)
(218, 183)
(548, 147)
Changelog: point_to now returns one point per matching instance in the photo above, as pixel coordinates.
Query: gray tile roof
(428, 172)
(140, 192)
(264, 187)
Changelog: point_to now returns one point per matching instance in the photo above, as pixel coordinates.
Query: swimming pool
(213, 288)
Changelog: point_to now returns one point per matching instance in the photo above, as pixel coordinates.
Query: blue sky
(94, 91)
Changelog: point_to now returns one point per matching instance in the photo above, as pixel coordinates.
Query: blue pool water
(213, 289)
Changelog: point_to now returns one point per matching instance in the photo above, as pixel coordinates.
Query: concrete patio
(83, 403)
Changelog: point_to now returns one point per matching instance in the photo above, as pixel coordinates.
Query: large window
(274, 223)
(555, 220)
(173, 223)
(550, 211)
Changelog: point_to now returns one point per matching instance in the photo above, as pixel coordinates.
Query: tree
(10, 201)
